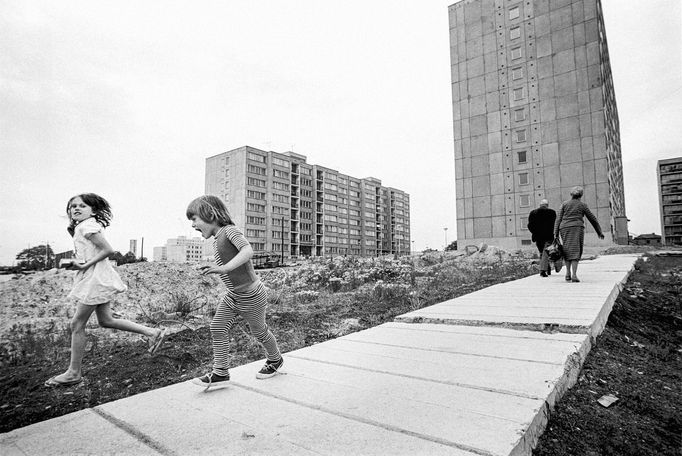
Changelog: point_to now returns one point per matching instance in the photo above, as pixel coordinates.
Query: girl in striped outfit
(245, 297)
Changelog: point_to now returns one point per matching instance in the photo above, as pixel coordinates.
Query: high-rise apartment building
(284, 204)
(670, 199)
(534, 115)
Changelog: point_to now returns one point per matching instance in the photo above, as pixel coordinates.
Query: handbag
(555, 251)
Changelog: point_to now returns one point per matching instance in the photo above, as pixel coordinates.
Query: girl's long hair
(100, 210)
(210, 209)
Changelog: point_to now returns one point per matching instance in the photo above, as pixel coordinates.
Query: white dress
(100, 282)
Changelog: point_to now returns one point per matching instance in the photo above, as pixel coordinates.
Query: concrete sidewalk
(471, 376)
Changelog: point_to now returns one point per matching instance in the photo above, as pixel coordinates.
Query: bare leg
(78, 340)
(107, 320)
(574, 268)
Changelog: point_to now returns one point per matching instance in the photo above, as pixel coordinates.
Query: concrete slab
(539, 303)
(79, 433)
(252, 417)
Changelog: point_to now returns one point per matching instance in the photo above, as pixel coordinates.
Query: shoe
(270, 369)
(568, 278)
(549, 272)
(543, 274)
(52, 382)
(575, 279)
(212, 380)
(156, 342)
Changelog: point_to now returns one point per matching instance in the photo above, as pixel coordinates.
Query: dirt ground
(637, 359)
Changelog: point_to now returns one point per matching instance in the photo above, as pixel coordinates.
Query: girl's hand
(212, 269)
(75, 265)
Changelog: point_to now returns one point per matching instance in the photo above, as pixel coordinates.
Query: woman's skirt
(572, 238)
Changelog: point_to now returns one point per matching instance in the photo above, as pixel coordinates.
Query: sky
(127, 99)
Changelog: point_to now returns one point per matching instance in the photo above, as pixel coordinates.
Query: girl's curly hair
(101, 210)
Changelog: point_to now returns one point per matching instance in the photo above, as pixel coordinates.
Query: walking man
(541, 227)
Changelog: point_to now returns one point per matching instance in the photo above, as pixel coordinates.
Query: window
(521, 155)
(519, 114)
(255, 195)
(280, 186)
(524, 200)
(256, 157)
(519, 94)
(515, 33)
(255, 233)
(256, 169)
(279, 173)
(280, 162)
(520, 135)
(516, 53)
(255, 220)
(523, 179)
(255, 207)
(517, 73)
(525, 242)
(255, 182)
(514, 13)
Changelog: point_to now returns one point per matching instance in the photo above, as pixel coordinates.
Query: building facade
(285, 205)
(670, 200)
(534, 115)
(184, 250)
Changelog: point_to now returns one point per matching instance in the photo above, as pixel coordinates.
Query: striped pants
(251, 307)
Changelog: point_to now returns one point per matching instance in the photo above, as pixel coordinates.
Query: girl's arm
(244, 255)
(104, 250)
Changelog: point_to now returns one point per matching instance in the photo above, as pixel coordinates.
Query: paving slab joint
(548, 328)
(135, 433)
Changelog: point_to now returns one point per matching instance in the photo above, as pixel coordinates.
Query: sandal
(53, 382)
(155, 343)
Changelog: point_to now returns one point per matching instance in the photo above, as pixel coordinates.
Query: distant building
(647, 239)
(184, 250)
(283, 204)
(534, 114)
(133, 246)
(670, 199)
(64, 255)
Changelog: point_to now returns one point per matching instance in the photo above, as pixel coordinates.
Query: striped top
(228, 241)
(572, 213)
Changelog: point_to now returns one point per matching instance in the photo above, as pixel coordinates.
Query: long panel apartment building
(669, 174)
(534, 115)
(284, 204)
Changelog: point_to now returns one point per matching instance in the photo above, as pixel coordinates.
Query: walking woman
(569, 223)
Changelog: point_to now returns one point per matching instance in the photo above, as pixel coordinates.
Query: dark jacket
(541, 224)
